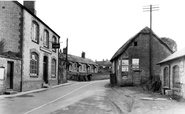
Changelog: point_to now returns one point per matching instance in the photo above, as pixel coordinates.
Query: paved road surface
(50, 100)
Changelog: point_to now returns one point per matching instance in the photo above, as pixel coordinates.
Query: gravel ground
(124, 100)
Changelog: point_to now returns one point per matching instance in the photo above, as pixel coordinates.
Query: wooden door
(9, 81)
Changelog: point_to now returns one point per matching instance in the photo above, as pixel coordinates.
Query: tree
(171, 43)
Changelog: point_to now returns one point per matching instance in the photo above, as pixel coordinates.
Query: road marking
(57, 99)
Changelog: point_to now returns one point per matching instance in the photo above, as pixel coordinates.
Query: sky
(101, 27)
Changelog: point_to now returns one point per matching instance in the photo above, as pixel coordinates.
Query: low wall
(100, 76)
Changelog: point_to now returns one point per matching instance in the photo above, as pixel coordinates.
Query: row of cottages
(173, 74)
(27, 59)
(79, 67)
(135, 62)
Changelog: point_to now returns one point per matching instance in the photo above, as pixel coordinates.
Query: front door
(9, 81)
(45, 69)
(136, 78)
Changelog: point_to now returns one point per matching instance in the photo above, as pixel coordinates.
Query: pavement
(33, 91)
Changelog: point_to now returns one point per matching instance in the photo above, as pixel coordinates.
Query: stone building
(26, 37)
(173, 74)
(135, 62)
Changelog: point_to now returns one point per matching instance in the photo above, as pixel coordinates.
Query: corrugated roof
(74, 58)
(173, 56)
(146, 30)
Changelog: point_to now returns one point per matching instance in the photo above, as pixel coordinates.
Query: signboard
(56, 45)
(2, 69)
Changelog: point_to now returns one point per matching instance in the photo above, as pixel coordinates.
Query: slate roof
(73, 58)
(173, 56)
(146, 30)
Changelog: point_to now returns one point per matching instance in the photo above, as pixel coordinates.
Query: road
(52, 99)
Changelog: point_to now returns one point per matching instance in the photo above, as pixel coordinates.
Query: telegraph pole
(150, 8)
(67, 54)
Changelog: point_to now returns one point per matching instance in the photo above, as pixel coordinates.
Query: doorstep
(32, 91)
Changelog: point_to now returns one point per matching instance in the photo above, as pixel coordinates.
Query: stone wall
(11, 28)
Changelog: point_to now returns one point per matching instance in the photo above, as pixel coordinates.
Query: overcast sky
(101, 27)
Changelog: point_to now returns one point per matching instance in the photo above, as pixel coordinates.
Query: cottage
(173, 74)
(27, 40)
(79, 67)
(135, 62)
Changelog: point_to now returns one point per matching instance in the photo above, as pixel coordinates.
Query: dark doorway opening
(45, 69)
(10, 75)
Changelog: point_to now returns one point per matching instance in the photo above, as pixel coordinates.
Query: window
(80, 68)
(135, 43)
(91, 68)
(53, 68)
(70, 67)
(135, 64)
(54, 39)
(125, 65)
(166, 76)
(46, 38)
(83, 67)
(176, 81)
(35, 32)
(34, 64)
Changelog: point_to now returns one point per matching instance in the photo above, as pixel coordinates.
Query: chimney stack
(30, 5)
(64, 51)
(83, 55)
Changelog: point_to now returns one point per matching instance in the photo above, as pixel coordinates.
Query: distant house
(79, 67)
(104, 66)
(173, 73)
(135, 62)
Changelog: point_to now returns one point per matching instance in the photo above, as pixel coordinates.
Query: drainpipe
(22, 37)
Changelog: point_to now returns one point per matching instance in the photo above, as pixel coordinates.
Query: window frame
(34, 65)
(176, 73)
(53, 68)
(125, 66)
(46, 38)
(35, 33)
(135, 64)
(54, 40)
(166, 77)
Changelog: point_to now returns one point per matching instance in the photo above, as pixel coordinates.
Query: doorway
(10, 75)
(45, 69)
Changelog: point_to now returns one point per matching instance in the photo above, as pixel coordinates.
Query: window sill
(33, 75)
(136, 70)
(53, 76)
(37, 42)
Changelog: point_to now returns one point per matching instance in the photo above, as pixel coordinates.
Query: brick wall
(159, 52)
(141, 51)
(10, 29)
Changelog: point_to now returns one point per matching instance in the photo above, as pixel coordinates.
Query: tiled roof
(78, 59)
(146, 30)
(173, 56)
